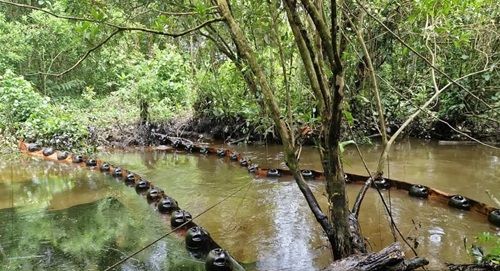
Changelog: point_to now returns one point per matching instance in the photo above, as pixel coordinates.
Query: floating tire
(381, 183)
(244, 162)
(32, 147)
(459, 202)
(105, 167)
(153, 194)
(252, 168)
(234, 156)
(62, 155)
(273, 172)
(47, 151)
(130, 178)
(91, 163)
(179, 217)
(418, 191)
(218, 260)
(77, 158)
(142, 185)
(221, 152)
(167, 205)
(307, 174)
(494, 217)
(117, 172)
(197, 239)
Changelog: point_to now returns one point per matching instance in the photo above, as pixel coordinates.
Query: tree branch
(376, 92)
(185, 13)
(120, 27)
(301, 40)
(419, 109)
(84, 56)
(322, 28)
(421, 56)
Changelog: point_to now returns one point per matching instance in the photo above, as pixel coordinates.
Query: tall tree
(326, 76)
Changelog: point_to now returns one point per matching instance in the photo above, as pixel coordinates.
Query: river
(266, 226)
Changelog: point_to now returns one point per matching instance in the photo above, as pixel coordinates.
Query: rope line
(178, 227)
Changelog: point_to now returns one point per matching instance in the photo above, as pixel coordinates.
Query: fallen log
(390, 258)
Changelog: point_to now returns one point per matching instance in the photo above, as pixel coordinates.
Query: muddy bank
(235, 130)
(196, 129)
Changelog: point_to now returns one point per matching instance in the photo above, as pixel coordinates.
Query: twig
(82, 58)
(183, 13)
(493, 198)
(421, 56)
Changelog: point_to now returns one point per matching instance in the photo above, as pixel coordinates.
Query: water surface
(268, 225)
(59, 217)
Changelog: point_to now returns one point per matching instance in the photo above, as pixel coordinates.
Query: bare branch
(108, 38)
(184, 13)
(174, 35)
(120, 27)
(421, 56)
(423, 108)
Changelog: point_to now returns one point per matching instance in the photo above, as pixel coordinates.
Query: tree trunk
(248, 55)
(143, 112)
(334, 174)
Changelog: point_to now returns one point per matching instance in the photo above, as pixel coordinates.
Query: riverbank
(125, 133)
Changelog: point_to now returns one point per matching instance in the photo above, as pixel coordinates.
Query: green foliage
(162, 81)
(18, 100)
(30, 116)
(223, 94)
(13, 44)
(137, 74)
(486, 249)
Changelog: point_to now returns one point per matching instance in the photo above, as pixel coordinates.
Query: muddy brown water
(266, 226)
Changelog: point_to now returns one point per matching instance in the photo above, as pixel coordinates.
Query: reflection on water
(57, 217)
(268, 225)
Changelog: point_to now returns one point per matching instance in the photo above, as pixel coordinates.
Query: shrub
(28, 115)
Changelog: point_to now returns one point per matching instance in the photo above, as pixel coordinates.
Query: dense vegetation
(137, 76)
(72, 73)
